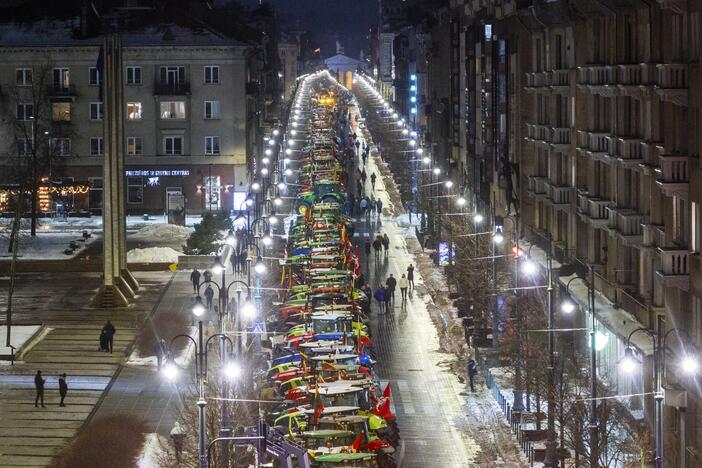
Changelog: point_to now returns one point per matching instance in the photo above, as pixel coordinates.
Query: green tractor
(325, 191)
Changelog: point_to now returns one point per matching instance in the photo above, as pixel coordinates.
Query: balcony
(675, 267)
(627, 151)
(537, 133)
(559, 195)
(634, 80)
(671, 82)
(537, 81)
(560, 138)
(594, 144)
(676, 6)
(653, 235)
(166, 88)
(649, 156)
(583, 207)
(559, 81)
(626, 224)
(596, 213)
(537, 185)
(61, 92)
(598, 79)
(673, 174)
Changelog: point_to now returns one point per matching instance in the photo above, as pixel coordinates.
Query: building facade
(583, 119)
(186, 96)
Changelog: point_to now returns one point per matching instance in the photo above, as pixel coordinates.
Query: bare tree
(38, 113)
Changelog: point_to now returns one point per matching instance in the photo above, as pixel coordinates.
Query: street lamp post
(689, 365)
(201, 347)
(551, 457)
(593, 423)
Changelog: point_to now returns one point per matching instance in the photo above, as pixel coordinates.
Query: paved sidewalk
(31, 436)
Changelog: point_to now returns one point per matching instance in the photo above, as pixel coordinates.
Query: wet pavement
(441, 423)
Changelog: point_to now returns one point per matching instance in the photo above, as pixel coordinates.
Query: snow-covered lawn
(46, 245)
(182, 359)
(95, 222)
(162, 232)
(20, 335)
(152, 451)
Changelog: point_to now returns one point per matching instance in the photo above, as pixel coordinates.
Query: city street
(441, 422)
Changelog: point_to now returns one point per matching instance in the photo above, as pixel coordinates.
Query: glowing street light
(198, 307)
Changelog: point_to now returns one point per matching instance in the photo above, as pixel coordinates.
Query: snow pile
(152, 451)
(182, 359)
(153, 255)
(20, 335)
(163, 232)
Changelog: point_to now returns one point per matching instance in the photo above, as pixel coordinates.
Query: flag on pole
(356, 446)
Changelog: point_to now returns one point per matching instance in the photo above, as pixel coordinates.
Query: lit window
(134, 111)
(211, 74)
(173, 110)
(134, 146)
(61, 79)
(211, 145)
(23, 76)
(95, 111)
(173, 145)
(211, 109)
(96, 146)
(133, 75)
(61, 111)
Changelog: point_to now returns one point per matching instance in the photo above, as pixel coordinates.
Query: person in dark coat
(39, 382)
(472, 371)
(195, 278)
(110, 331)
(63, 388)
(104, 346)
(377, 245)
(391, 284)
(209, 295)
(386, 243)
(410, 276)
(379, 207)
(373, 177)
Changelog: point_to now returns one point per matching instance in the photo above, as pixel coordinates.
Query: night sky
(349, 19)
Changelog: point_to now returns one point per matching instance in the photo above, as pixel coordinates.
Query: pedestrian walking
(386, 243)
(160, 351)
(234, 259)
(364, 176)
(63, 388)
(373, 177)
(39, 382)
(377, 245)
(391, 284)
(110, 331)
(178, 438)
(367, 248)
(379, 207)
(403, 283)
(195, 278)
(410, 276)
(389, 304)
(472, 371)
(359, 189)
(207, 275)
(209, 295)
(104, 346)
(380, 298)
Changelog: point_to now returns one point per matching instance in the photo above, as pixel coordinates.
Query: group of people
(384, 295)
(40, 383)
(361, 182)
(367, 206)
(381, 242)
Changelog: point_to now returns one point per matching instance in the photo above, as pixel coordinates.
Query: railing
(583, 203)
(560, 195)
(560, 77)
(531, 131)
(628, 148)
(166, 88)
(671, 75)
(537, 79)
(626, 222)
(597, 75)
(57, 90)
(674, 169)
(674, 261)
(542, 132)
(560, 136)
(598, 142)
(540, 185)
(598, 208)
(634, 75)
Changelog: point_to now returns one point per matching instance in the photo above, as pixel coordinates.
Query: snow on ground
(45, 245)
(153, 255)
(95, 222)
(20, 335)
(152, 451)
(162, 232)
(183, 358)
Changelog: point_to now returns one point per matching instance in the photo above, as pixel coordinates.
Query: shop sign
(157, 173)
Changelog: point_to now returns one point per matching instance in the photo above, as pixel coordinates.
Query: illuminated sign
(157, 173)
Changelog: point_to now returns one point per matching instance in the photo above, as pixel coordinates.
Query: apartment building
(186, 103)
(583, 117)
